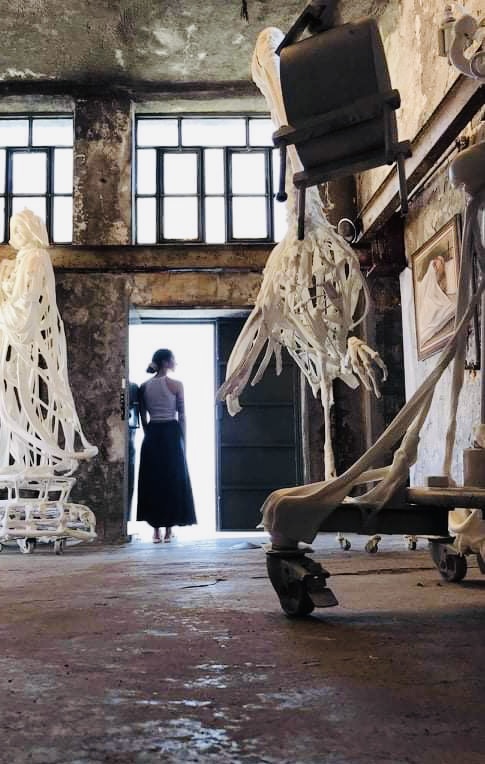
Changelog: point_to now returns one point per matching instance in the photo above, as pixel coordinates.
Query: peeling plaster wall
(95, 310)
(102, 172)
(435, 207)
(409, 29)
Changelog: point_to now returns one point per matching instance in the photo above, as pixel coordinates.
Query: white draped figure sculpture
(40, 434)
(308, 301)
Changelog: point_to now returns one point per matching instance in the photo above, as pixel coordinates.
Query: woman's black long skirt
(164, 490)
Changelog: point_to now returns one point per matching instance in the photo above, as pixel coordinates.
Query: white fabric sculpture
(308, 301)
(41, 438)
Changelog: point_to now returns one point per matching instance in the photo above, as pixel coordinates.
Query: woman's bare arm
(181, 408)
(143, 411)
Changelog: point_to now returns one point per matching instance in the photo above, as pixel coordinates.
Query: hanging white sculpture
(308, 301)
(41, 439)
(292, 514)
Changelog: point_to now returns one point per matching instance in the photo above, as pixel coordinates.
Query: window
(206, 179)
(36, 171)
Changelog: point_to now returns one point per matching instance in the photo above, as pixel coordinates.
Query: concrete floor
(180, 653)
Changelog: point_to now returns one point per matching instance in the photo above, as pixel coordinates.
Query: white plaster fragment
(119, 58)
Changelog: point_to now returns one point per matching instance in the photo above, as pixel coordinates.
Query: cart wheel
(481, 563)
(452, 567)
(293, 595)
(59, 546)
(28, 546)
(412, 546)
(372, 545)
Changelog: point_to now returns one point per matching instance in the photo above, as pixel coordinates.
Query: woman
(164, 490)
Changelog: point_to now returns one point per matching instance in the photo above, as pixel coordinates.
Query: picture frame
(435, 269)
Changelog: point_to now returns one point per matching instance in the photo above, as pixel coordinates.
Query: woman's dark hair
(159, 357)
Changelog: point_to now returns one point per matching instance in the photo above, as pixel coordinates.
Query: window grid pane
(63, 171)
(213, 132)
(248, 173)
(180, 173)
(14, 132)
(53, 131)
(2, 218)
(35, 175)
(62, 220)
(249, 217)
(146, 221)
(180, 218)
(212, 183)
(29, 173)
(157, 132)
(146, 171)
(35, 203)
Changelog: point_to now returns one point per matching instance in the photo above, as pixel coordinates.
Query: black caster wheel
(292, 594)
(372, 546)
(29, 546)
(452, 567)
(481, 563)
(59, 546)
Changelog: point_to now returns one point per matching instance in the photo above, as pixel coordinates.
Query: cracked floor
(180, 653)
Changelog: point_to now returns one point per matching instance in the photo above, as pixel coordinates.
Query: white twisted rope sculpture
(308, 301)
(40, 434)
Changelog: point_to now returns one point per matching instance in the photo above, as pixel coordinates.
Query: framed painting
(435, 268)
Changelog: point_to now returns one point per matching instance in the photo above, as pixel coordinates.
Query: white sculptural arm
(364, 363)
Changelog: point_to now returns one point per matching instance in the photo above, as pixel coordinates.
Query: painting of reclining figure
(435, 279)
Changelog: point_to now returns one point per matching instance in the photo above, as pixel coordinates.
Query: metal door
(259, 449)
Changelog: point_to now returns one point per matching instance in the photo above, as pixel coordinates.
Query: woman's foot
(168, 535)
(156, 536)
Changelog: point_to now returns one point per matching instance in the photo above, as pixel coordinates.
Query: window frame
(226, 195)
(8, 195)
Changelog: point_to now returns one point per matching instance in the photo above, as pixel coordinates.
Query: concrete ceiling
(149, 40)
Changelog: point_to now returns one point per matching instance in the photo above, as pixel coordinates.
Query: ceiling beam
(136, 89)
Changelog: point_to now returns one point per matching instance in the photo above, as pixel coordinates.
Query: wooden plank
(452, 115)
(472, 498)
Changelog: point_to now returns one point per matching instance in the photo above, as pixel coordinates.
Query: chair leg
(403, 192)
(301, 214)
(282, 196)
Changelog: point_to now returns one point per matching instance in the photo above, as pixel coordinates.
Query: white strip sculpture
(41, 439)
(308, 301)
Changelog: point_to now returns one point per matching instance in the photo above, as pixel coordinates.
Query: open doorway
(234, 462)
(192, 342)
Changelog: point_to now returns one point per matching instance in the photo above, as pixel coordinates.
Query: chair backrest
(329, 72)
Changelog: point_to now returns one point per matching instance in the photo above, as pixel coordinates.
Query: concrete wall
(409, 29)
(435, 207)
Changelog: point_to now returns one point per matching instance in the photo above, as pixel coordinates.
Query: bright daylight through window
(36, 171)
(206, 179)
